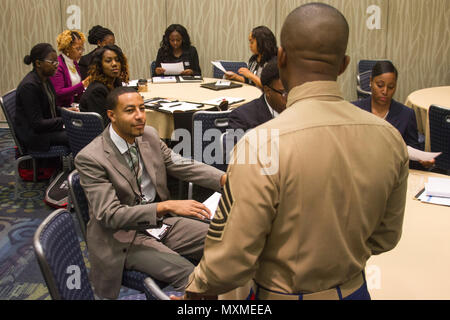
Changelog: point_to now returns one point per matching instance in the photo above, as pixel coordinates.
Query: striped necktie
(133, 162)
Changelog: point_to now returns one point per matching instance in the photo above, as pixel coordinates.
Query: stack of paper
(438, 187)
(436, 191)
(171, 79)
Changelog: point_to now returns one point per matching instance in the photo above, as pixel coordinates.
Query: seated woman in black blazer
(100, 37)
(176, 47)
(37, 119)
(383, 83)
(109, 68)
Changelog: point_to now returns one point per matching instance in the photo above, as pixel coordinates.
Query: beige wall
(414, 33)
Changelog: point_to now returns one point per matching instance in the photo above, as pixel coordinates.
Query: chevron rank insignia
(219, 221)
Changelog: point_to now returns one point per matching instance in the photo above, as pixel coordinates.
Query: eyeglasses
(284, 94)
(54, 63)
(79, 49)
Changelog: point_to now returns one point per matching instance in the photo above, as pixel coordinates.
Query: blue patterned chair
(131, 278)
(229, 66)
(439, 119)
(8, 104)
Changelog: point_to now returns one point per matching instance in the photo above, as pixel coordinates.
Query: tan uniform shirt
(308, 219)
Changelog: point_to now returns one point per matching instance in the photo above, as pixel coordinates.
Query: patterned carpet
(20, 276)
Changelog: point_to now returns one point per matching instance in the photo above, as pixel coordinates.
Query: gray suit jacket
(112, 193)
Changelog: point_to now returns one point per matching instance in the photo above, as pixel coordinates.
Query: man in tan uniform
(303, 224)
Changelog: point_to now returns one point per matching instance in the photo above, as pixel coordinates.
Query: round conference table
(417, 268)
(421, 100)
(190, 92)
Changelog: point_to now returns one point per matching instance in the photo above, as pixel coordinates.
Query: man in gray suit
(123, 173)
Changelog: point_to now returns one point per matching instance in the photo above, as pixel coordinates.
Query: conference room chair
(131, 278)
(8, 104)
(229, 66)
(363, 84)
(365, 67)
(81, 128)
(152, 69)
(228, 140)
(439, 120)
(211, 122)
(61, 261)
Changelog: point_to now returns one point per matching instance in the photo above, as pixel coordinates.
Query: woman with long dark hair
(109, 68)
(176, 47)
(263, 45)
(100, 37)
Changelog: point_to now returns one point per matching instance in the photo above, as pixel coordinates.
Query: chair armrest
(155, 290)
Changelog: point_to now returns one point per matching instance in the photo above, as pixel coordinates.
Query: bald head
(314, 39)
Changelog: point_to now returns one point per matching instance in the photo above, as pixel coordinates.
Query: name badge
(187, 64)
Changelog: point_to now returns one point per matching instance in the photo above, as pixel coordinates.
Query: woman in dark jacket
(100, 37)
(38, 122)
(109, 68)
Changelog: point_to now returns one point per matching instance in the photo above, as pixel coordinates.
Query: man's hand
(184, 208)
(223, 180)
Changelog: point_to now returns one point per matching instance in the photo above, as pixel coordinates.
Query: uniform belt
(338, 293)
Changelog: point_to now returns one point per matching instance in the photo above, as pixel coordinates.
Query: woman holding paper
(176, 48)
(108, 69)
(383, 83)
(263, 45)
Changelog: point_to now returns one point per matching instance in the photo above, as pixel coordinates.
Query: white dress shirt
(147, 187)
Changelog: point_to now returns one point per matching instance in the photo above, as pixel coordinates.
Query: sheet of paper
(217, 101)
(179, 106)
(417, 155)
(435, 200)
(438, 187)
(224, 83)
(172, 68)
(213, 202)
(219, 66)
(170, 79)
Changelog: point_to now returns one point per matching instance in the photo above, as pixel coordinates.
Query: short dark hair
(38, 52)
(270, 73)
(113, 97)
(98, 33)
(383, 67)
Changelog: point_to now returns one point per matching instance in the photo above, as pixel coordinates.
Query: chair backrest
(229, 139)
(229, 66)
(79, 200)
(81, 128)
(59, 255)
(367, 65)
(8, 104)
(439, 118)
(208, 126)
(152, 69)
